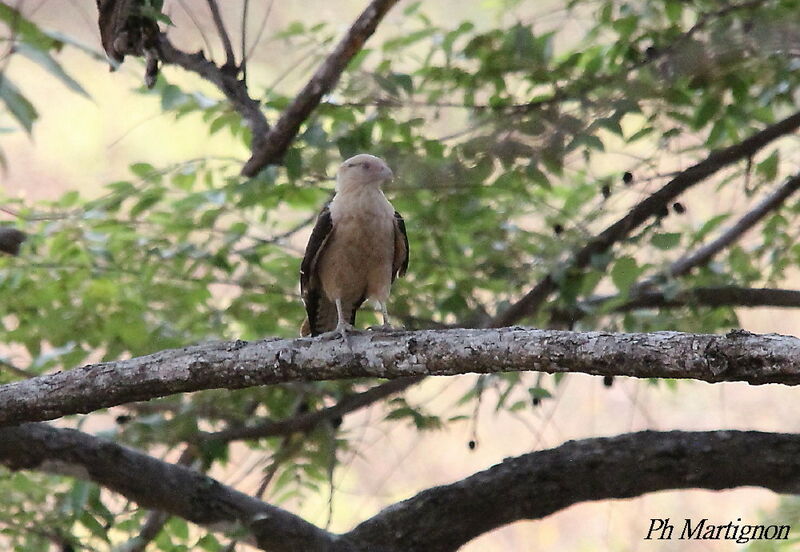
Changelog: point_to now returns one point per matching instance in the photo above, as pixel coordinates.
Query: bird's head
(363, 170)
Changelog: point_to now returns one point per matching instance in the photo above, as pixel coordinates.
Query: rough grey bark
(737, 356)
(440, 519)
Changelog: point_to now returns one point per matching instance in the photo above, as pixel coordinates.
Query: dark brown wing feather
(400, 263)
(317, 305)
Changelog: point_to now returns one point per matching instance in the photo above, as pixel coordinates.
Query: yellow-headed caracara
(356, 250)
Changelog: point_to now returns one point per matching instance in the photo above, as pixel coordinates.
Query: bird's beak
(387, 173)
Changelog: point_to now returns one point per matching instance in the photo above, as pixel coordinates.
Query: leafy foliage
(513, 147)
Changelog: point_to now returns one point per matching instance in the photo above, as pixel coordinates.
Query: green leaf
(19, 106)
(47, 62)
(710, 225)
(94, 526)
(708, 108)
(666, 241)
(768, 168)
(624, 273)
(145, 171)
(209, 543)
(24, 28)
(539, 393)
(674, 10)
(178, 527)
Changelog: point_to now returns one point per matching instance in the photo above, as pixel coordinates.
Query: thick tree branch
(737, 356)
(440, 519)
(180, 491)
(156, 519)
(533, 300)
(536, 485)
(272, 148)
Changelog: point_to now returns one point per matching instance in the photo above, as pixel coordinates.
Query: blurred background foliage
(513, 143)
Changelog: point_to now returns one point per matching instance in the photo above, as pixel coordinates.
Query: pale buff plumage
(357, 248)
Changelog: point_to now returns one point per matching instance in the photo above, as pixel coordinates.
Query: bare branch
(260, 32)
(156, 519)
(737, 356)
(230, 59)
(180, 491)
(650, 206)
(152, 526)
(277, 141)
(440, 519)
(197, 25)
(538, 484)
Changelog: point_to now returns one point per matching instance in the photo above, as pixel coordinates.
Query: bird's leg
(385, 314)
(342, 326)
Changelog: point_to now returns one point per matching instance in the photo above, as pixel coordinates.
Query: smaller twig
(309, 420)
(197, 25)
(719, 296)
(641, 293)
(14, 369)
(230, 59)
(723, 296)
(254, 45)
(704, 254)
(243, 67)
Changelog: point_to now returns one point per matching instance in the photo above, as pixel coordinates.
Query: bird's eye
(351, 165)
(366, 166)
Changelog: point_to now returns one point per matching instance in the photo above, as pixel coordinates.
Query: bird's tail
(305, 328)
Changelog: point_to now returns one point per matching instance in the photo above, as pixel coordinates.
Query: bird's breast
(358, 259)
(364, 218)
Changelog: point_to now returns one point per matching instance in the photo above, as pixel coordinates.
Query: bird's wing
(317, 305)
(400, 261)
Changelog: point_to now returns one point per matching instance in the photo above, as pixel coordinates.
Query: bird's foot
(340, 331)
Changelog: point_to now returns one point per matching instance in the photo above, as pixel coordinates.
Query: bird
(358, 247)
